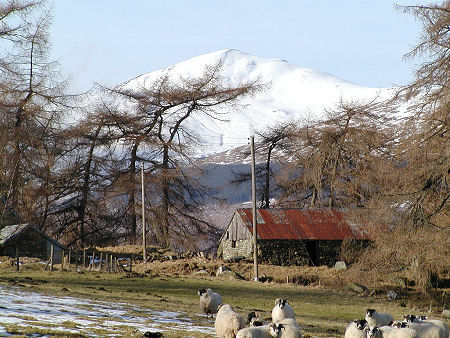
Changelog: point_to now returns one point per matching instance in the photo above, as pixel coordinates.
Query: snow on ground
(71, 315)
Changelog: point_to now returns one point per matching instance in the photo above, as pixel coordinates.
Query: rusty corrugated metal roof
(313, 224)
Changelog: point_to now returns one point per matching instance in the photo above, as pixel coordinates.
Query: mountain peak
(294, 93)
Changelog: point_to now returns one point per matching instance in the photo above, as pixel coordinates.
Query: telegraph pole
(144, 250)
(255, 232)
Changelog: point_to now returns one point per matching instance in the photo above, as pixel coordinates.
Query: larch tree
(31, 101)
(167, 105)
(417, 200)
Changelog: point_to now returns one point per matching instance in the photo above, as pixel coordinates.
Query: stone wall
(329, 252)
(242, 248)
(284, 252)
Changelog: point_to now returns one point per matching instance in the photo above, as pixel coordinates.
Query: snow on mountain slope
(293, 93)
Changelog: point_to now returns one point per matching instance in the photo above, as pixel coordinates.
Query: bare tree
(335, 159)
(166, 106)
(416, 201)
(31, 100)
(275, 139)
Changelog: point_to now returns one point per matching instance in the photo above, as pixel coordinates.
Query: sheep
(427, 330)
(282, 310)
(209, 301)
(378, 319)
(356, 329)
(392, 332)
(265, 331)
(289, 328)
(425, 320)
(254, 319)
(228, 322)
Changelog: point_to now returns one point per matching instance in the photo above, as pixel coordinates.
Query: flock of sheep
(379, 325)
(229, 324)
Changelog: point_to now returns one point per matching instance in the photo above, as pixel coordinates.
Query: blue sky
(361, 41)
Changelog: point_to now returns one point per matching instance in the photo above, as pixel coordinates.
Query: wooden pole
(255, 230)
(84, 259)
(70, 256)
(17, 259)
(51, 257)
(144, 250)
(62, 260)
(101, 261)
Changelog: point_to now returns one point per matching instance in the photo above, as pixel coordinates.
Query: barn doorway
(312, 250)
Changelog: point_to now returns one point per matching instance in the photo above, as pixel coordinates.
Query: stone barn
(30, 241)
(289, 236)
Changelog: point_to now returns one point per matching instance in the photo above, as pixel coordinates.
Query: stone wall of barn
(279, 252)
(229, 249)
(284, 252)
(328, 252)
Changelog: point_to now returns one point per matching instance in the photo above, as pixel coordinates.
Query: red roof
(315, 224)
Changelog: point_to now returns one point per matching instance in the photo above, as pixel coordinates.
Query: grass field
(322, 309)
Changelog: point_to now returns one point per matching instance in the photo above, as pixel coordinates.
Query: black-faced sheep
(289, 328)
(228, 322)
(356, 329)
(377, 319)
(391, 332)
(282, 310)
(424, 320)
(209, 301)
(265, 331)
(254, 319)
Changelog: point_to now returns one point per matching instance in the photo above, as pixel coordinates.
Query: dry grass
(322, 301)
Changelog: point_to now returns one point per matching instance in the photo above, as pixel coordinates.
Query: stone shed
(289, 236)
(30, 241)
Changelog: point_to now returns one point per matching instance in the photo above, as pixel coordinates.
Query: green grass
(320, 311)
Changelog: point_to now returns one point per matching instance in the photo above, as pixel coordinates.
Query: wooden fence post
(17, 259)
(70, 254)
(62, 260)
(51, 257)
(101, 261)
(84, 259)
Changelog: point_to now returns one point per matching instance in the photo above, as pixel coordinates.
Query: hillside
(291, 93)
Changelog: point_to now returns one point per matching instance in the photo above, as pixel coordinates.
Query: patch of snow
(28, 308)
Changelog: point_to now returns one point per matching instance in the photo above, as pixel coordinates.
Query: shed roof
(296, 224)
(10, 232)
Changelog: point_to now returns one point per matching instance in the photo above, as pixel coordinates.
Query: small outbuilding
(290, 236)
(29, 241)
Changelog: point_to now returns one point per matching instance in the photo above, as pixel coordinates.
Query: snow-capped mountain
(292, 93)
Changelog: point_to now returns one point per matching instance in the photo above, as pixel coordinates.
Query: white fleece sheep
(377, 319)
(265, 331)
(425, 320)
(427, 330)
(356, 329)
(392, 332)
(282, 310)
(228, 322)
(289, 328)
(209, 301)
